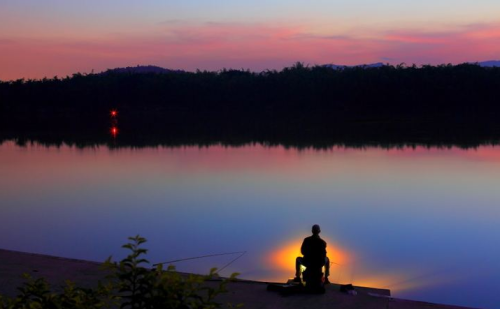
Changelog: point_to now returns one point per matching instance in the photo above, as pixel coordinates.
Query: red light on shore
(114, 113)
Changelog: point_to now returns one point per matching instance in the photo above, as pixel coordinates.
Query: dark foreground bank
(252, 294)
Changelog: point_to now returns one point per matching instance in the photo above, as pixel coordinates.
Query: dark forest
(298, 106)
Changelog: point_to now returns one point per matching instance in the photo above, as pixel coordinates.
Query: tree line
(442, 103)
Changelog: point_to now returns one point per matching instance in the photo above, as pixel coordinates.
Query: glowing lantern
(114, 131)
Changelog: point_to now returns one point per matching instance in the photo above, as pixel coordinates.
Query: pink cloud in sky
(213, 46)
(468, 43)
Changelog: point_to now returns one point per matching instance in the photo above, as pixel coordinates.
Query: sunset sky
(56, 37)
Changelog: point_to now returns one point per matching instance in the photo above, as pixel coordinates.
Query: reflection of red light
(114, 131)
(114, 113)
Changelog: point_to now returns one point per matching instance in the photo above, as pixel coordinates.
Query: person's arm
(303, 248)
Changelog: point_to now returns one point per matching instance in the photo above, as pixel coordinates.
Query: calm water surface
(422, 222)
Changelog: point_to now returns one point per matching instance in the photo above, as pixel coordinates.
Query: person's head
(316, 229)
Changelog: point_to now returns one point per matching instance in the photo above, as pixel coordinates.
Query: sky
(58, 38)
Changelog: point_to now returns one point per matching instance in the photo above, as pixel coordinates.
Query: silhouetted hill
(490, 63)
(371, 65)
(141, 70)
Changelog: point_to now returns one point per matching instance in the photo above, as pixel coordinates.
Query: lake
(423, 222)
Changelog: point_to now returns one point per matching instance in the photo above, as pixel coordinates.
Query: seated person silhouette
(314, 251)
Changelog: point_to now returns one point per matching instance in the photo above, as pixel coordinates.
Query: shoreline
(252, 294)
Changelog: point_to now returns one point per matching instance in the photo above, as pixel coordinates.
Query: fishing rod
(418, 277)
(240, 254)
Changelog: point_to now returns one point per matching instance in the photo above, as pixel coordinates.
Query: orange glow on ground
(398, 281)
(284, 257)
(385, 281)
(341, 269)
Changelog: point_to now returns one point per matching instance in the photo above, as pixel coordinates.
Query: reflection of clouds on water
(421, 224)
(484, 153)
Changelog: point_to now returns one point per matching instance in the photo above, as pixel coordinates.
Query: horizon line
(307, 65)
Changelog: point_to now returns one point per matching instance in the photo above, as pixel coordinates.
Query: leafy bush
(37, 293)
(129, 285)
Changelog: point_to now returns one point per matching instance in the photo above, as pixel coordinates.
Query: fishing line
(241, 253)
(411, 279)
(234, 260)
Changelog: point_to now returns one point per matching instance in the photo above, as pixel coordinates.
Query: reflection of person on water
(314, 251)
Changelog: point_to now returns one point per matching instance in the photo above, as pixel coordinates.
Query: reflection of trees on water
(139, 141)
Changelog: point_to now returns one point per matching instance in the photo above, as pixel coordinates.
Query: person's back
(314, 250)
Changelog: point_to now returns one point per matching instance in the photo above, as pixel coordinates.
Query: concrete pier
(252, 294)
